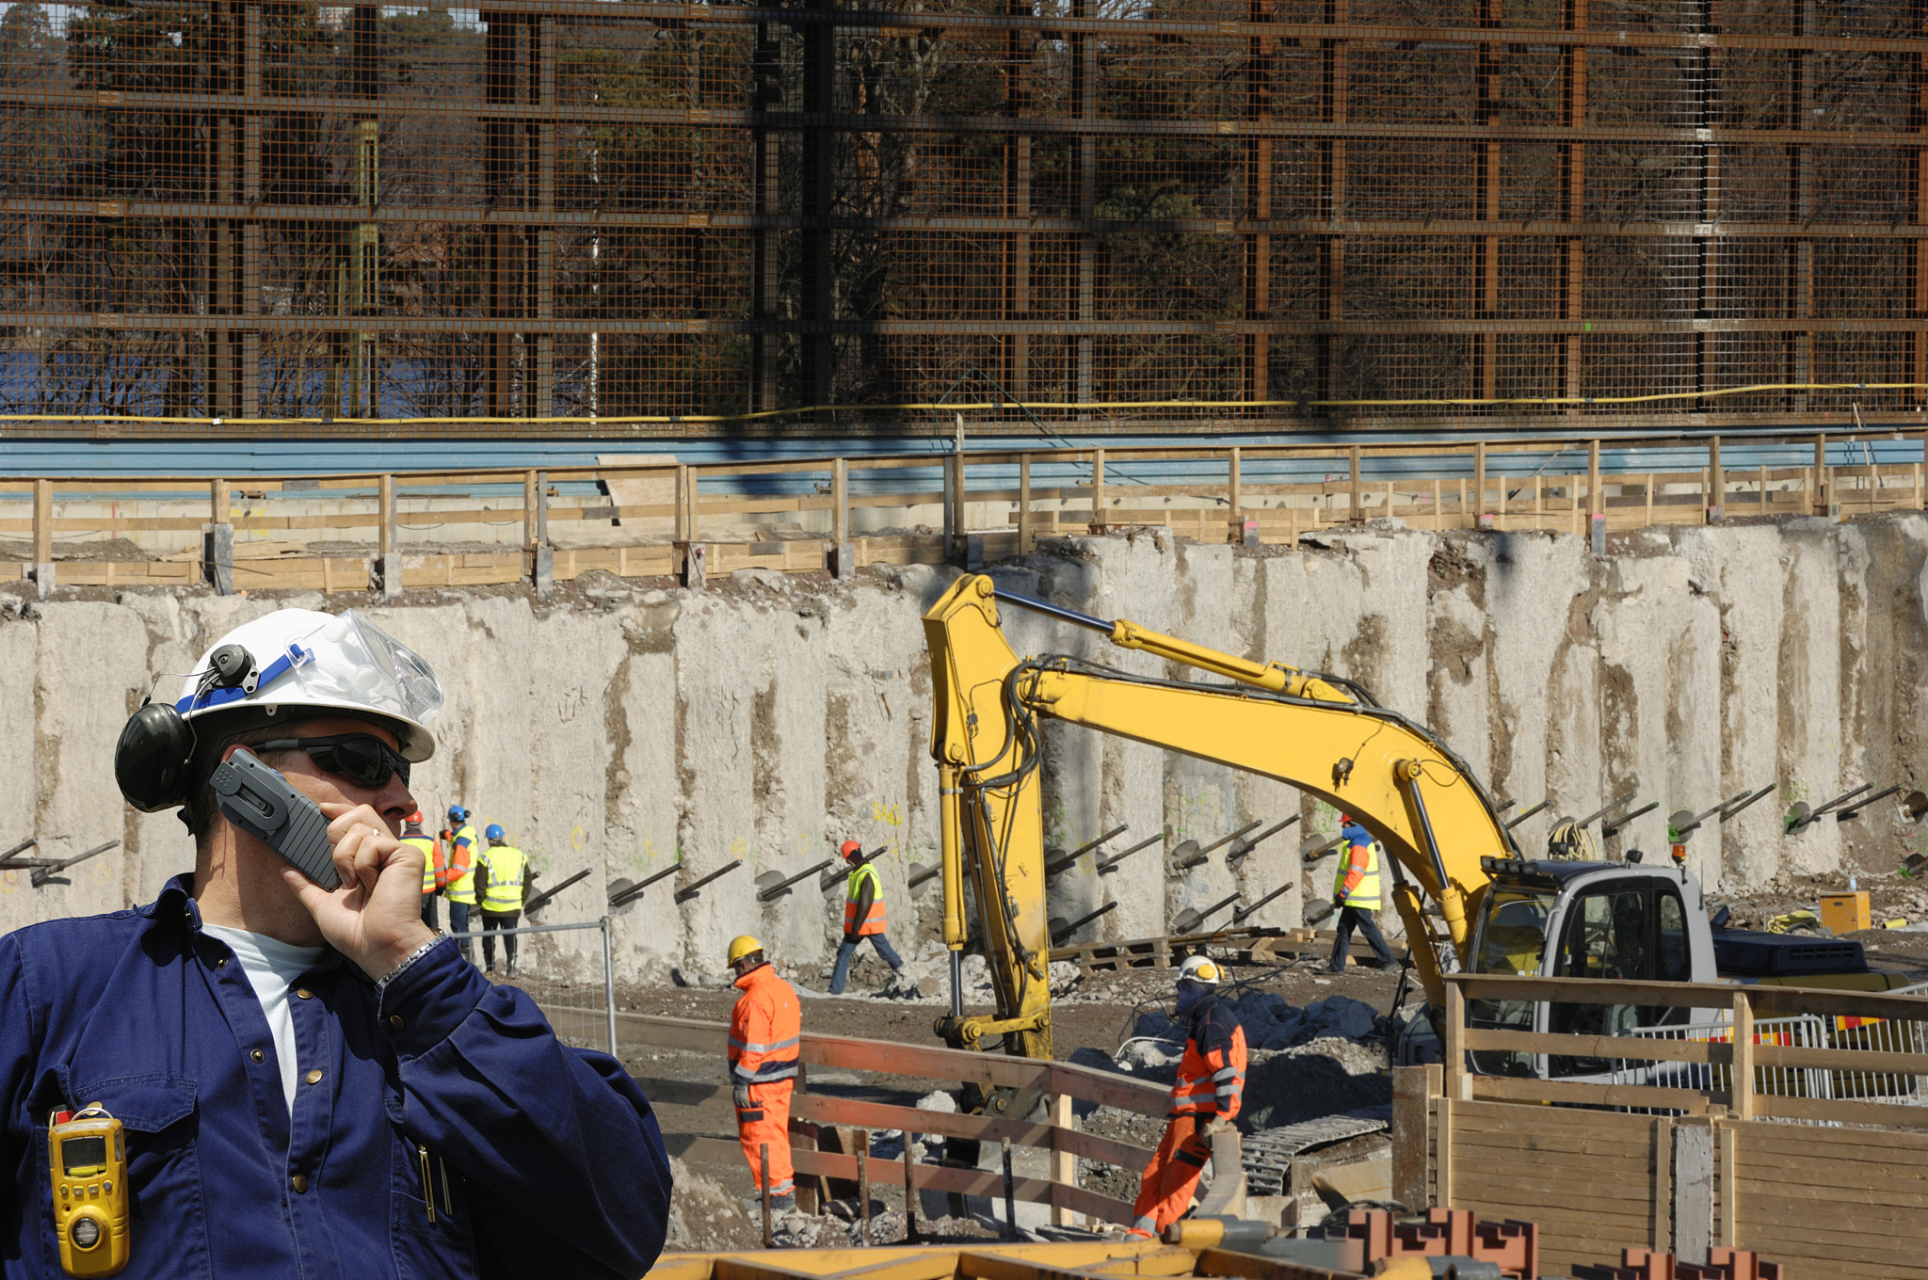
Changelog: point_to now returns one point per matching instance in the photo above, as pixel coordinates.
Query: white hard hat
(1201, 969)
(297, 658)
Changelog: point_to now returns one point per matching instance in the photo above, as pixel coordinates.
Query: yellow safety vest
(463, 890)
(427, 845)
(1365, 894)
(503, 893)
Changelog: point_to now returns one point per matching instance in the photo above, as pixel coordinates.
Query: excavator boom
(1320, 734)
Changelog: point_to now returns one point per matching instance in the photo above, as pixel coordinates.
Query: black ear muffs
(155, 753)
(152, 757)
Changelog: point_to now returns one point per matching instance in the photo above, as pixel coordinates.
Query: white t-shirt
(271, 966)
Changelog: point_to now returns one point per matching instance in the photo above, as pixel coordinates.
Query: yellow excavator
(1326, 736)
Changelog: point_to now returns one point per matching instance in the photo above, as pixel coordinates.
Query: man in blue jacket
(311, 1083)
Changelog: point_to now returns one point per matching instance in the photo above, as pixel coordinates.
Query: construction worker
(1571, 842)
(313, 1083)
(434, 865)
(460, 878)
(863, 917)
(1356, 895)
(501, 868)
(766, 1028)
(1206, 1096)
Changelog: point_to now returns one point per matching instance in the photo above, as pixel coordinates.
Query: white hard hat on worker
(313, 661)
(285, 667)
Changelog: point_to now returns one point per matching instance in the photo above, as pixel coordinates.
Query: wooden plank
(1889, 1115)
(876, 1115)
(1794, 1141)
(1842, 1201)
(1631, 1048)
(973, 1182)
(1522, 1090)
(1852, 1060)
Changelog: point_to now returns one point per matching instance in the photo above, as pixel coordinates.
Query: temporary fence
(586, 1024)
(842, 513)
(581, 217)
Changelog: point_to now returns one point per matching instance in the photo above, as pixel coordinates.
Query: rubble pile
(705, 1216)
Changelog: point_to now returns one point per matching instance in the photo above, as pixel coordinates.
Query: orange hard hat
(415, 817)
(851, 849)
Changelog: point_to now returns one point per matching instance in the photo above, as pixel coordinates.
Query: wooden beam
(1027, 538)
(840, 502)
(529, 511)
(43, 522)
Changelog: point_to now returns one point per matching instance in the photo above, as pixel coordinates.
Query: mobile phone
(259, 801)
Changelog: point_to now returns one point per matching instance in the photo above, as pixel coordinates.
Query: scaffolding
(1216, 211)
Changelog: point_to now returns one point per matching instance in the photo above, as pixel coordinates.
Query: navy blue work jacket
(541, 1160)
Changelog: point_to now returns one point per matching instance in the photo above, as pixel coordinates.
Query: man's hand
(1209, 1125)
(375, 917)
(741, 1096)
(850, 939)
(1338, 901)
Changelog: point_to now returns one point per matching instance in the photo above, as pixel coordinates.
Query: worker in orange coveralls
(1205, 1097)
(766, 1030)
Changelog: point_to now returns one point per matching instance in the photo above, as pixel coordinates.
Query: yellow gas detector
(87, 1158)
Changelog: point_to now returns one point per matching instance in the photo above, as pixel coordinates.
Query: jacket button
(395, 1021)
(222, 963)
(255, 1054)
(304, 993)
(300, 1183)
(314, 1077)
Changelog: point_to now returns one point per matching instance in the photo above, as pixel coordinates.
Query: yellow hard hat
(742, 945)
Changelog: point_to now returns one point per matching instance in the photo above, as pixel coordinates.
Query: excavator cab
(1605, 920)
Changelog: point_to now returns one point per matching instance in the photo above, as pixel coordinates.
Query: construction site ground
(691, 1092)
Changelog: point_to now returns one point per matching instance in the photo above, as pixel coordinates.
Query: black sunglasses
(362, 758)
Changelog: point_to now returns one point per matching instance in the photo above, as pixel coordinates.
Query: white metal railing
(1804, 1031)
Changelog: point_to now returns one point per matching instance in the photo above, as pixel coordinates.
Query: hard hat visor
(319, 663)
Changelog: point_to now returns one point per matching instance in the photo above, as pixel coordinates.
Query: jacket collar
(754, 976)
(176, 902)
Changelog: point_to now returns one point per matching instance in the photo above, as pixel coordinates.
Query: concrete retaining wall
(770, 717)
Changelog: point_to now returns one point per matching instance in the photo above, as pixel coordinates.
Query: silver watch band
(383, 981)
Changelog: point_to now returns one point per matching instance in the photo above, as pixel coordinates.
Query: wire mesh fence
(582, 1012)
(1261, 208)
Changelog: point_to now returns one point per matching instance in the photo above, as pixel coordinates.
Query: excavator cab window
(1512, 939)
(1629, 931)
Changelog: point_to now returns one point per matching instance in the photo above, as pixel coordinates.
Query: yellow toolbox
(1845, 912)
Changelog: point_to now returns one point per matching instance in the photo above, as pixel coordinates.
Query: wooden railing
(1062, 1084)
(1725, 1143)
(695, 520)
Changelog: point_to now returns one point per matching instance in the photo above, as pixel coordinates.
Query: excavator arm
(1321, 734)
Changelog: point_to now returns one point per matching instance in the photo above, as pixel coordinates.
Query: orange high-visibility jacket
(766, 1028)
(1211, 1075)
(863, 908)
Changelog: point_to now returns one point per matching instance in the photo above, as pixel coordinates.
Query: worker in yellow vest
(1356, 893)
(434, 866)
(863, 917)
(460, 878)
(502, 868)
